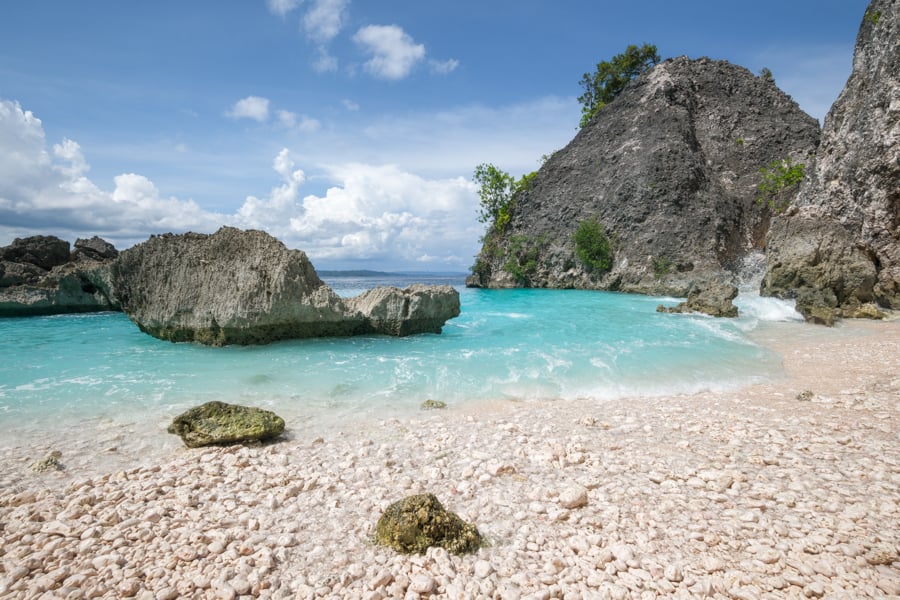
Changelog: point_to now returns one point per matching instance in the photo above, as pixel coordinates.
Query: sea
(97, 376)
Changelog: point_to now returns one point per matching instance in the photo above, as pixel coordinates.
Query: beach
(787, 489)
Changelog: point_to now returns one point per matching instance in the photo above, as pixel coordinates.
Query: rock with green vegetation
(48, 463)
(218, 423)
(419, 522)
(836, 250)
(655, 175)
(433, 404)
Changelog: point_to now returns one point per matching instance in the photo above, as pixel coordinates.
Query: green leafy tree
(496, 191)
(592, 246)
(766, 74)
(780, 181)
(610, 78)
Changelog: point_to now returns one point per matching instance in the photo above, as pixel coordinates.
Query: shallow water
(68, 375)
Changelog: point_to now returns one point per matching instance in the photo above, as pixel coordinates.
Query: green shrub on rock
(592, 246)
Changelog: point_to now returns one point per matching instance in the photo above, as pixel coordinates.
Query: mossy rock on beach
(217, 423)
(416, 523)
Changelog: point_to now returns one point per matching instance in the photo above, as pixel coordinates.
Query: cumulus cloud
(251, 107)
(282, 7)
(393, 52)
(377, 215)
(373, 213)
(325, 19)
(48, 192)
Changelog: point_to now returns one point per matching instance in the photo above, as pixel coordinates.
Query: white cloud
(374, 213)
(251, 107)
(393, 51)
(301, 123)
(282, 7)
(324, 62)
(350, 105)
(443, 67)
(44, 193)
(325, 19)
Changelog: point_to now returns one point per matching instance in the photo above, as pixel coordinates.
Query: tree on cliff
(497, 191)
(610, 78)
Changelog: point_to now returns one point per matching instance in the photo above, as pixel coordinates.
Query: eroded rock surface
(838, 248)
(246, 287)
(416, 523)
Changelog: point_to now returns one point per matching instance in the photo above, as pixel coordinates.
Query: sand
(783, 490)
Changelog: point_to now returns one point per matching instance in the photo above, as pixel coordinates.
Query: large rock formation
(838, 248)
(246, 287)
(40, 276)
(670, 169)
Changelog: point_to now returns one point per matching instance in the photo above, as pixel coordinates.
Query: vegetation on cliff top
(611, 76)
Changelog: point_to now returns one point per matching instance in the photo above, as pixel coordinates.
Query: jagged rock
(714, 298)
(48, 463)
(246, 287)
(838, 248)
(670, 168)
(95, 248)
(28, 288)
(216, 423)
(44, 251)
(416, 523)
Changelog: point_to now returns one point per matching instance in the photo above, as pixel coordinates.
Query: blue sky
(348, 129)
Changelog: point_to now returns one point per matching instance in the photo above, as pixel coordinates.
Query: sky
(349, 129)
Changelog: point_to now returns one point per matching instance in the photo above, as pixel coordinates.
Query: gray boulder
(218, 423)
(246, 287)
(95, 248)
(39, 276)
(837, 250)
(712, 298)
(670, 168)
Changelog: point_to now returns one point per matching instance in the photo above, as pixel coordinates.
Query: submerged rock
(416, 523)
(216, 423)
(433, 404)
(838, 248)
(246, 287)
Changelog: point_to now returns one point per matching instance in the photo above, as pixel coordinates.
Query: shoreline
(746, 494)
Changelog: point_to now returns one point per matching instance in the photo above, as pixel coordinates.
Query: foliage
(592, 245)
(498, 191)
(739, 141)
(780, 181)
(610, 78)
(661, 266)
(766, 74)
(874, 16)
(523, 256)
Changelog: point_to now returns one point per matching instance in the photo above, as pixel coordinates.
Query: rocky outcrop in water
(837, 250)
(670, 169)
(714, 298)
(40, 276)
(218, 423)
(246, 287)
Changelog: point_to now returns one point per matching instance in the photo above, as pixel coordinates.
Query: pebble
(573, 497)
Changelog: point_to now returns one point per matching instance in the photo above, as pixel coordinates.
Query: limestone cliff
(670, 169)
(246, 287)
(40, 276)
(838, 249)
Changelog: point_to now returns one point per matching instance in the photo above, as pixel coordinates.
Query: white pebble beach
(763, 492)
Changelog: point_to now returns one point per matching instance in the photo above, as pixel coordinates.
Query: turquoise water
(506, 345)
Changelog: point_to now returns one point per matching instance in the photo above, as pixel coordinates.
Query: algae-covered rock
(48, 463)
(433, 404)
(416, 523)
(713, 298)
(220, 423)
